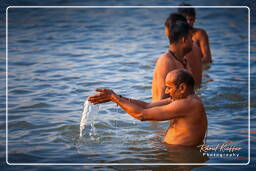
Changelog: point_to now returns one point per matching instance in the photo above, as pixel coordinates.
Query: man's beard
(188, 49)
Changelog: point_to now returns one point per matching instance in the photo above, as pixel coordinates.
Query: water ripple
(56, 62)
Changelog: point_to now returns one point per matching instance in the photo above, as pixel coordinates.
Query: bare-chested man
(194, 58)
(184, 107)
(200, 36)
(180, 44)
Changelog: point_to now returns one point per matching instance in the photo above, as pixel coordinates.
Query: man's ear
(183, 87)
(166, 30)
(183, 39)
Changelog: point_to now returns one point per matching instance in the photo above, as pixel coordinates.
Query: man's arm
(158, 111)
(104, 97)
(146, 105)
(161, 112)
(205, 47)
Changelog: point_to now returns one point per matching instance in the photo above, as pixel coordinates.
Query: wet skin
(184, 108)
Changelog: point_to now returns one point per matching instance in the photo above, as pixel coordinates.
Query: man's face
(190, 20)
(171, 88)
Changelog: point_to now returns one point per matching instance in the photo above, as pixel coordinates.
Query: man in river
(180, 44)
(184, 107)
(194, 57)
(199, 36)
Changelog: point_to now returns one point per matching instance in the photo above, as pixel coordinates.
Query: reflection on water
(57, 57)
(179, 154)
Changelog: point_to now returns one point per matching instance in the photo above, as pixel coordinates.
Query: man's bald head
(179, 76)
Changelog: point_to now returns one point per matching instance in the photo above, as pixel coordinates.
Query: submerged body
(167, 63)
(200, 37)
(183, 107)
(182, 54)
(190, 129)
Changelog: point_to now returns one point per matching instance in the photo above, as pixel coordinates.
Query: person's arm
(157, 112)
(104, 97)
(205, 47)
(146, 105)
(169, 111)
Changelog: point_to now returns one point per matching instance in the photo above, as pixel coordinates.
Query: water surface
(57, 57)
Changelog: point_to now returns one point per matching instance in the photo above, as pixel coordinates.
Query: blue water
(57, 57)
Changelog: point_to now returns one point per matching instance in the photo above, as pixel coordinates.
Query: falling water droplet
(89, 109)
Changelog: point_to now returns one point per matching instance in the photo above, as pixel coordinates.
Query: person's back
(190, 129)
(194, 59)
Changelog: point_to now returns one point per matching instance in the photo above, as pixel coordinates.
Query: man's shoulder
(197, 103)
(164, 58)
(164, 55)
(200, 32)
(193, 101)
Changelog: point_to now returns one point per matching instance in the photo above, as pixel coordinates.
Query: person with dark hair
(199, 36)
(172, 18)
(189, 13)
(184, 107)
(180, 44)
(183, 77)
(194, 58)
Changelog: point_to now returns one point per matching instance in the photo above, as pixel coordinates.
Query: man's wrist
(115, 97)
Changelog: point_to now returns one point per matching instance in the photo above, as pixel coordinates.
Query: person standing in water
(184, 107)
(194, 57)
(180, 44)
(199, 36)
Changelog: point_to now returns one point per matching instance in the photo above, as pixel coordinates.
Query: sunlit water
(57, 57)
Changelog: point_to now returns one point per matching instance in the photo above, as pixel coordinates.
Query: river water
(58, 56)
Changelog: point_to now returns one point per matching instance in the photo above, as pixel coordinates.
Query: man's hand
(105, 95)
